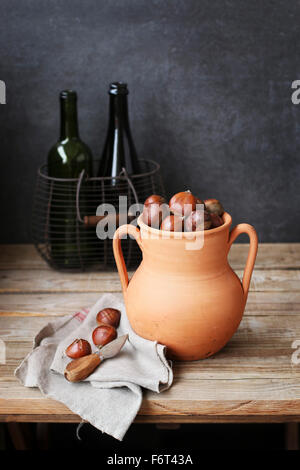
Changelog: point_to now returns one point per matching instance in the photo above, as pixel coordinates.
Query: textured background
(210, 97)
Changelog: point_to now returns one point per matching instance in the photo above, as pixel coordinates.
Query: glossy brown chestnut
(183, 203)
(154, 213)
(109, 316)
(79, 348)
(155, 199)
(200, 201)
(196, 220)
(214, 206)
(216, 220)
(172, 223)
(104, 334)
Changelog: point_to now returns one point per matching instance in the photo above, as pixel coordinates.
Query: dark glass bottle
(69, 156)
(119, 150)
(66, 159)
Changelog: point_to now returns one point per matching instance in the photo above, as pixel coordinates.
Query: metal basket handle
(123, 173)
(130, 184)
(79, 218)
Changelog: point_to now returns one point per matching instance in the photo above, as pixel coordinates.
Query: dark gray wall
(210, 97)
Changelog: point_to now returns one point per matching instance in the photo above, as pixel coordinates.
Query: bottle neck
(68, 118)
(118, 112)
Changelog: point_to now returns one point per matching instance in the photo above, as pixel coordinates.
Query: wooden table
(253, 379)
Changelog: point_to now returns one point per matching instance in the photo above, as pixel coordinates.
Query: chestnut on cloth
(111, 396)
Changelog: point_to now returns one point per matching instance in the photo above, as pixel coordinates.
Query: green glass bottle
(66, 159)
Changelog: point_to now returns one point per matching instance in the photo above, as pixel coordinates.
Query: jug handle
(251, 232)
(119, 233)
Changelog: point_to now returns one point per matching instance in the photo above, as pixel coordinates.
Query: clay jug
(188, 299)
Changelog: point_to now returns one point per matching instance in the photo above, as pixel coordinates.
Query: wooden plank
(24, 281)
(264, 417)
(273, 303)
(274, 280)
(262, 399)
(270, 256)
(64, 417)
(263, 331)
(291, 436)
(259, 303)
(269, 396)
(17, 256)
(230, 364)
(20, 435)
(45, 304)
(28, 281)
(261, 348)
(193, 391)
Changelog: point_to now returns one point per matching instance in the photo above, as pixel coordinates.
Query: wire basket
(64, 221)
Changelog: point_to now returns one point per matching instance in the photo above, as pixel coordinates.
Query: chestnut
(79, 348)
(172, 223)
(155, 199)
(196, 219)
(104, 334)
(153, 214)
(109, 316)
(214, 206)
(199, 201)
(216, 220)
(183, 203)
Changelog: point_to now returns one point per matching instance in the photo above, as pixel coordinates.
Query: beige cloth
(110, 398)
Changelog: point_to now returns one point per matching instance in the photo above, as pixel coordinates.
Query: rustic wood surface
(252, 379)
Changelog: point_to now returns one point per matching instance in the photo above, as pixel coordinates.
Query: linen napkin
(111, 396)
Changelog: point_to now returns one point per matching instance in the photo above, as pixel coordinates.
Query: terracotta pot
(190, 300)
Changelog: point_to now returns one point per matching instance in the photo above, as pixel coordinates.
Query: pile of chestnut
(181, 214)
(108, 320)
